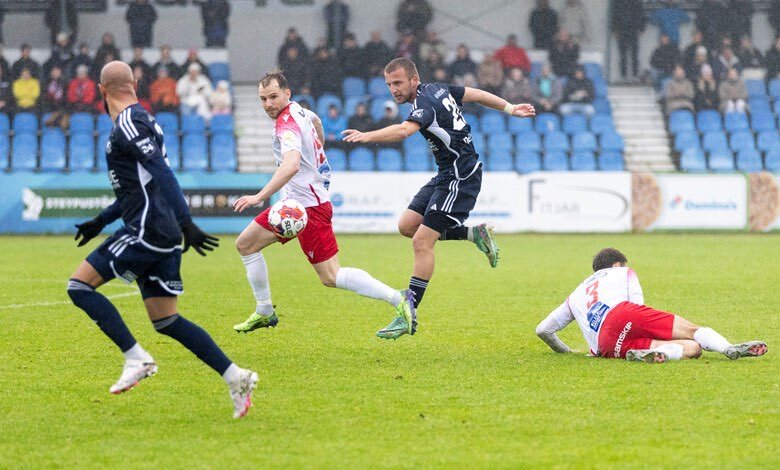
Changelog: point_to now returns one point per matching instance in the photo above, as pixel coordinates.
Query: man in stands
(512, 55)
(82, 92)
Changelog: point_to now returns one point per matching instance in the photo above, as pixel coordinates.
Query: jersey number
(458, 122)
(592, 291)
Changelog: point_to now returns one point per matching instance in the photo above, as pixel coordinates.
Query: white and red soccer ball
(287, 218)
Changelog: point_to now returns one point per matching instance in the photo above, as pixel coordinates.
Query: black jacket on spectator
(144, 66)
(352, 61)
(665, 58)
(337, 18)
(712, 20)
(563, 57)
(174, 70)
(573, 86)
(53, 18)
(297, 73)
(326, 75)
(772, 62)
(413, 15)
(750, 57)
(706, 95)
(103, 51)
(29, 64)
(543, 23)
(362, 123)
(141, 19)
(740, 13)
(215, 15)
(60, 57)
(461, 67)
(303, 51)
(774, 17)
(377, 55)
(6, 93)
(80, 59)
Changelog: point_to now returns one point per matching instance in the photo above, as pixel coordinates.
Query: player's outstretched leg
(711, 340)
(249, 243)
(481, 235)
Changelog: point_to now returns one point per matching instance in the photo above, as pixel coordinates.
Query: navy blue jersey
(437, 110)
(149, 199)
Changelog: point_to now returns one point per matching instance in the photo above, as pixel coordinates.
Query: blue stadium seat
(222, 124)
(721, 160)
(377, 108)
(351, 103)
(306, 99)
(602, 106)
(681, 120)
(612, 141)
(53, 148)
(353, 86)
(712, 141)
(686, 140)
(326, 101)
(219, 71)
(519, 125)
(104, 123)
(555, 161)
(416, 143)
(593, 70)
(529, 141)
(600, 87)
(337, 159)
(82, 151)
(536, 69)
(501, 162)
(100, 149)
(500, 143)
(776, 107)
(172, 151)
(377, 88)
(742, 140)
(762, 121)
(574, 123)
(25, 123)
(24, 152)
(768, 140)
(749, 161)
(194, 152)
(693, 160)
(755, 87)
(583, 160)
(473, 121)
(583, 141)
(556, 141)
(774, 88)
(708, 121)
(772, 160)
(611, 161)
(478, 140)
(192, 123)
(5, 123)
(492, 123)
(736, 122)
(223, 152)
(417, 162)
(526, 162)
(5, 146)
(81, 122)
(361, 159)
(601, 123)
(759, 104)
(547, 122)
(389, 160)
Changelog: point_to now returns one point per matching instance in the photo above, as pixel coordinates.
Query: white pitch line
(62, 302)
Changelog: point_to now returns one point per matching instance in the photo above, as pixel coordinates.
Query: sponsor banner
(764, 202)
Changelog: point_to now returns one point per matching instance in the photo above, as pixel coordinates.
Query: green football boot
(256, 321)
(405, 322)
(486, 242)
(397, 328)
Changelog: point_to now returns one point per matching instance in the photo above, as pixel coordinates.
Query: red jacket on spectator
(512, 55)
(82, 94)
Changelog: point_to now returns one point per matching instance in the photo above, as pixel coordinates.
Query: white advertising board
(702, 201)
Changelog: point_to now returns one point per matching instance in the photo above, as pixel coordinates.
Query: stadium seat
(223, 152)
(774, 88)
(377, 88)
(721, 160)
(404, 109)
(584, 160)
(222, 124)
(351, 104)
(81, 150)
(555, 161)
(337, 159)
(742, 140)
(417, 162)
(492, 123)
(361, 159)
(547, 122)
(219, 71)
(53, 148)
(194, 152)
(708, 121)
(772, 160)
(192, 124)
(519, 125)
(574, 123)
(593, 70)
(326, 101)
(529, 141)
(377, 108)
(5, 146)
(389, 160)
(100, 149)
(526, 162)
(749, 161)
(5, 123)
(105, 124)
(612, 141)
(601, 123)
(416, 143)
(755, 88)
(734, 122)
(686, 140)
(583, 141)
(82, 122)
(478, 141)
(24, 152)
(611, 161)
(602, 106)
(473, 121)
(768, 140)
(693, 160)
(501, 162)
(353, 86)
(305, 99)
(556, 141)
(759, 104)
(500, 143)
(712, 141)
(25, 123)
(172, 151)
(762, 121)
(600, 87)
(680, 121)
(536, 69)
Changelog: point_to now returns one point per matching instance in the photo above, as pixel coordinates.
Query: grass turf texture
(474, 387)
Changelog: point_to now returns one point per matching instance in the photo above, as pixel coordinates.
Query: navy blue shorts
(446, 201)
(124, 257)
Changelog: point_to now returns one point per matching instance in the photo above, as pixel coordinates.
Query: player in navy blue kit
(440, 208)
(147, 249)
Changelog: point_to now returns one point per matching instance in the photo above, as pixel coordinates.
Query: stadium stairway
(254, 132)
(639, 119)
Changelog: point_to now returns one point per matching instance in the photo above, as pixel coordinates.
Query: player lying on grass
(303, 175)
(609, 309)
(147, 249)
(441, 207)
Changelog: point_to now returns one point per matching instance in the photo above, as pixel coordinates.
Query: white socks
(673, 351)
(470, 234)
(711, 340)
(137, 353)
(257, 273)
(232, 374)
(360, 282)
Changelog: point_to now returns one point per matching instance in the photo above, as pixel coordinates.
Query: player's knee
(407, 230)
(244, 246)
(695, 352)
(422, 244)
(77, 290)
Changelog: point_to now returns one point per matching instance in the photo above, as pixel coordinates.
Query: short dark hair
(276, 75)
(402, 63)
(606, 258)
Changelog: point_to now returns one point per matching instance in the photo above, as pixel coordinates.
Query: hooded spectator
(668, 19)
(326, 75)
(220, 99)
(462, 65)
(336, 15)
(215, 15)
(166, 61)
(490, 74)
(543, 24)
(26, 62)
(628, 22)
(377, 54)
(297, 70)
(517, 88)
(26, 90)
(82, 92)
(432, 44)
(564, 55)
(578, 94)
(706, 90)
(733, 93)
(141, 17)
(292, 39)
(414, 16)
(351, 58)
(512, 55)
(194, 90)
(548, 90)
(748, 54)
(678, 93)
(574, 19)
(163, 92)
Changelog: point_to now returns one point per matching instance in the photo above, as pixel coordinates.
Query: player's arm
(557, 320)
(291, 164)
(489, 100)
(635, 294)
(92, 228)
(389, 134)
(317, 123)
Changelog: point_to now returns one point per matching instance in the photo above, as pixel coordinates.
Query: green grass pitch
(474, 387)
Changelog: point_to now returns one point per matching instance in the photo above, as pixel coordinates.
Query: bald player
(147, 249)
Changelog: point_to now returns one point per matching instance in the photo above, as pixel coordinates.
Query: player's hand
(198, 239)
(245, 202)
(89, 230)
(351, 135)
(524, 110)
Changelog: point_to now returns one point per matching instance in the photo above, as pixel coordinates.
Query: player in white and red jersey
(303, 175)
(609, 308)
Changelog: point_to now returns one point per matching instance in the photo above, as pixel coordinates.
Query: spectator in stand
(388, 119)
(406, 47)
(628, 22)
(668, 19)
(564, 54)
(326, 75)
(462, 65)
(432, 44)
(292, 39)
(166, 62)
(663, 61)
(61, 55)
(98, 66)
(377, 54)
(4, 63)
(739, 19)
(215, 15)
(440, 75)
(163, 92)
(192, 58)
(296, 69)
(712, 20)
(678, 93)
(333, 124)
(490, 74)
(26, 62)
(517, 88)
(336, 15)
(689, 54)
(512, 55)
(361, 120)
(574, 19)
(702, 58)
(54, 94)
(54, 16)
(428, 67)
(351, 58)
(6, 92)
(138, 61)
(706, 90)
(543, 24)
(82, 58)
(749, 56)
(142, 90)
(772, 61)
(141, 17)
(726, 60)
(26, 90)
(773, 17)
(414, 16)
(578, 94)
(220, 99)
(548, 91)
(194, 90)
(82, 92)
(733, 93)
(107, 46)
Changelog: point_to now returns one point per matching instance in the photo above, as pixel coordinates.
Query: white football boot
(749, 349)
(134, 372)
(241, 392)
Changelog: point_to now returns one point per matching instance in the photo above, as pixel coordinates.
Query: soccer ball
(287, 218)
